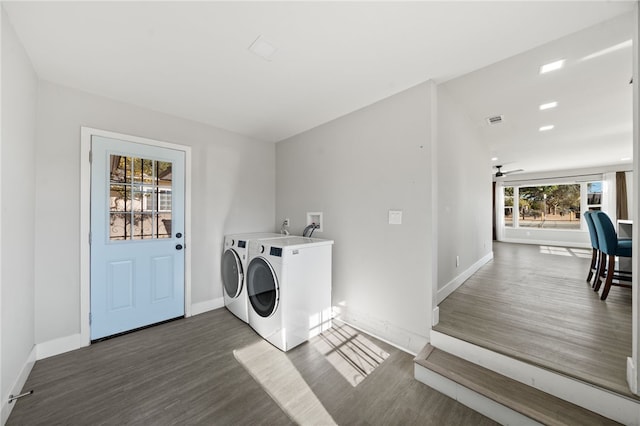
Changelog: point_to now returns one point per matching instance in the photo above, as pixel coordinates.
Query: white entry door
(137, 241)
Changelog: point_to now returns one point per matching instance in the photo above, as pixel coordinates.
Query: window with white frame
(556, 206)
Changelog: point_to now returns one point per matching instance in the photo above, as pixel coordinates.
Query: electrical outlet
(286, 222)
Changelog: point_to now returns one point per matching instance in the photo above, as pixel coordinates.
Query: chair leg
(610, 273)
(600, 273)
(594, 261)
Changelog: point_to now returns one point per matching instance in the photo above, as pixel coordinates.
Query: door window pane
(164, 225)
(139, 198)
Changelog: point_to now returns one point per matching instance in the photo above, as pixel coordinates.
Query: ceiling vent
(496, 119)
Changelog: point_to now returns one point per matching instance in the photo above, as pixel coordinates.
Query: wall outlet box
(315, 217)
(395, 217)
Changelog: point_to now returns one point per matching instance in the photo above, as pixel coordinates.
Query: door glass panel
(117, 198)
(142, 226)
(140, 198)
(117, 226)
(164, 174)
(164, 225)
(117, 166)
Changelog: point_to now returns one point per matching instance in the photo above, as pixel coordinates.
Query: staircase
(513, 392)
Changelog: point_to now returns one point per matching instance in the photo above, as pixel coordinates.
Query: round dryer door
(232, 273)
(262, 287)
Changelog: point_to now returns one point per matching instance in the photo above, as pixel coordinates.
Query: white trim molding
(453, 285)
(207, 305)
(622, 409)
(547, 243)
(18, 386)
(59, 346)
(85, 219)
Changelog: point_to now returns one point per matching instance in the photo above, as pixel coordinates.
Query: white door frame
(85, 220)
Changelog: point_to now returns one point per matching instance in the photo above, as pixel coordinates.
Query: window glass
(508, 206)
(594, 195)
(139, 198)
(550, 206)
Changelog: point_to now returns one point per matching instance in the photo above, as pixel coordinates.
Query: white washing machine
(289, 289)
(234, 262)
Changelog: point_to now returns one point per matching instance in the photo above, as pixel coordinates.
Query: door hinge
(90, 156)
(90, 318)
(89, 238)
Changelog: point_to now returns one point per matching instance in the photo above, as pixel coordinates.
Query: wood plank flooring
(184, 372)
(533, 303)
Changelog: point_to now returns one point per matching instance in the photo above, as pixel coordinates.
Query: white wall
(464, 194)
(233, 191)
(19, 95)
(354, 170)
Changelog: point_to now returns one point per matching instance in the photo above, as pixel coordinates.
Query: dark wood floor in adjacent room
(532, 303)
(185, 372)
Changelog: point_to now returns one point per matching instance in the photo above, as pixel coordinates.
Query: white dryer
(289, 289)
(234, 262)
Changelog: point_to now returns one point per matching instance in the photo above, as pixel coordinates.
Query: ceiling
(593, 123)
(191, 59)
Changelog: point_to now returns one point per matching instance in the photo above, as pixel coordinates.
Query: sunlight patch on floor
(349, 352)
(281, 380)
(564, 251)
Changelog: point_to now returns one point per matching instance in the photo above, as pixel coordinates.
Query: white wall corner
(206, 306)
(435, 318)
(18, 386)
(631, 376)
(59, 346)
(453, 285)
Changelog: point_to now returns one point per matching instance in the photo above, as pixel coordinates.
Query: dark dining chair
(610, 247)
(595, 254)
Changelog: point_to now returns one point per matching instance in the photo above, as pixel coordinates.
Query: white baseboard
(546, 243)
(453, 285)
(632, 379)
(75, 341)
(59, 346)
(402, 339)
(608, 404)
(18, 386)
(206, 306)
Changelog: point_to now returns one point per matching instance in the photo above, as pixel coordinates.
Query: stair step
(526, 400)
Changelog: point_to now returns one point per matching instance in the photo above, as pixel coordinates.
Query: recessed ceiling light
(494, 158)
(548, 105)
(263, 48)
(545, 128)
(552, 66)
(626, 159)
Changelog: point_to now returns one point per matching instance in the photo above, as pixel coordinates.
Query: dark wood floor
(184, 372)
(533, 303)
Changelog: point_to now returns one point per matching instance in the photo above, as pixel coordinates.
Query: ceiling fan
(500, 173)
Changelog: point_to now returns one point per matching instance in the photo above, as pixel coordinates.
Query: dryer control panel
(276, 251)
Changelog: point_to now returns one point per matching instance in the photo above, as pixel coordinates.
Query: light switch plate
(395, 217)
